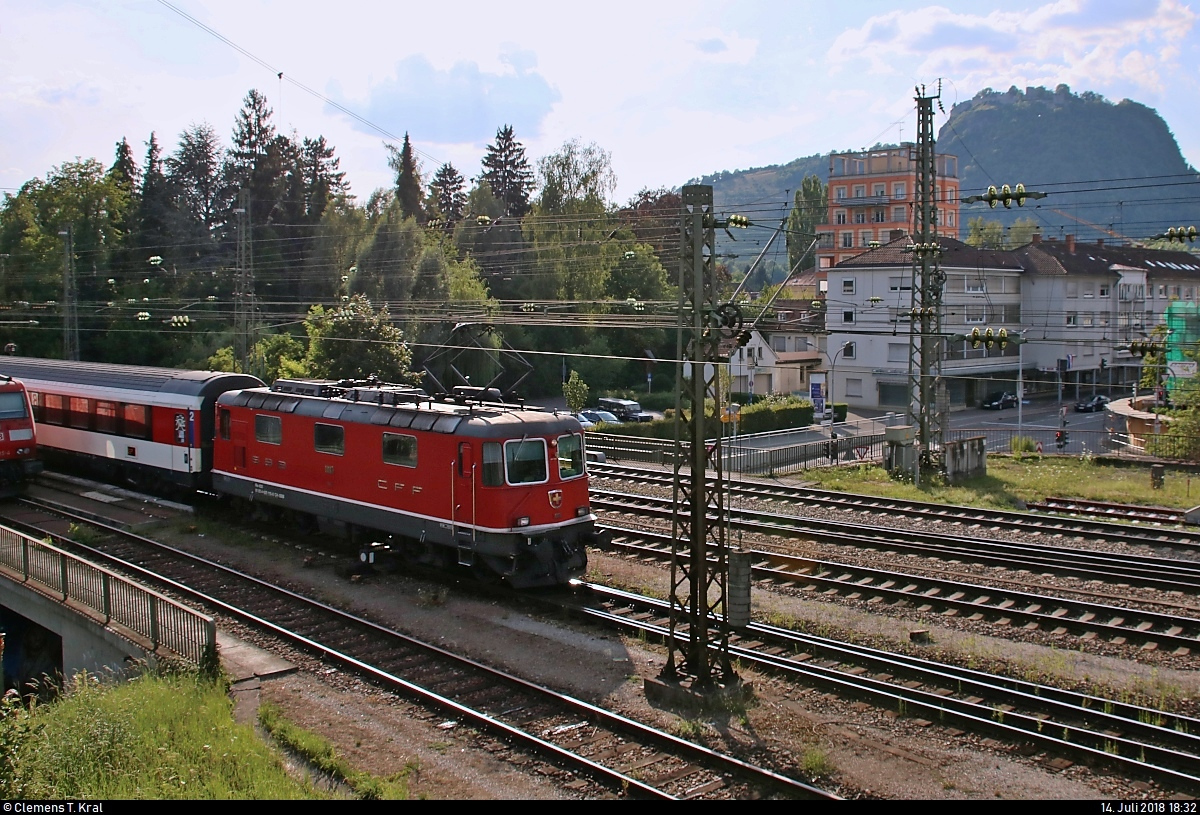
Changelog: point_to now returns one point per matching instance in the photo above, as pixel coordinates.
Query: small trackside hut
(455, 479)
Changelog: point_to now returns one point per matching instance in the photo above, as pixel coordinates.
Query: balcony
(865, 201)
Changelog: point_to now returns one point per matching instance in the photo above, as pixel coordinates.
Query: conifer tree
(408, 180)
(507, 172)
(448, 191)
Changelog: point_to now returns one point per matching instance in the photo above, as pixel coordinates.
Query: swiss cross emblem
(555, 498)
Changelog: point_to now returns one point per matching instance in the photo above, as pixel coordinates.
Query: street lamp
(832, 371)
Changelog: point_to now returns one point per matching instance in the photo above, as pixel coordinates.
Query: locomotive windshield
(12, 406)
(525, 461)
(570, 456)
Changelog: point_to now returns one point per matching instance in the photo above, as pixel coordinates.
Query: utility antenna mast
(927, 392)
(243, 297)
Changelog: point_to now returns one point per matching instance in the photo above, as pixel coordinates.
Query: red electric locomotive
(462, 478)
(18, 442)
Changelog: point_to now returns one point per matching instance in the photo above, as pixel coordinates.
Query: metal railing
(115, 599)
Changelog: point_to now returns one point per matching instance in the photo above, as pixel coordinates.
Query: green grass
(152, 738)
(1011, 481)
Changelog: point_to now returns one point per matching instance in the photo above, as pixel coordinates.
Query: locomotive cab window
(223, 423)
(493, 464)
(570, 456)
(268, 429)
(329, 438)
(399, 449)
(525, 461)
(12, 405)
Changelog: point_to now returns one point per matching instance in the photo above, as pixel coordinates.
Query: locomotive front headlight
(523, 521)
(581, 511)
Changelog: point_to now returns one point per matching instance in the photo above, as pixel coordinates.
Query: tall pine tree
(507, 172)
(156, 206)
(408, 180)
(449, 192)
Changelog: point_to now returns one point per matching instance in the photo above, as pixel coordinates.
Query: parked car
(1097, 402)
(626, 410)
(584, 421)
(599, 416)
(998, 400)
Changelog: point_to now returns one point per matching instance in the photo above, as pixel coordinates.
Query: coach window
(329, 438)
(525, 461)
(136, 421)
(79, 413)
(493, 465)
(52, 408)
(268, 429)
(570, 456)
(106, 417)
(401, 450)
(12, 405)
(35, 400)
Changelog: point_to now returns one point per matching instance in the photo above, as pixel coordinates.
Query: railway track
(1166, 574)
(598, 751)
(1108, 509)
(1006, 607)
(1139, 740)
(1183, 541)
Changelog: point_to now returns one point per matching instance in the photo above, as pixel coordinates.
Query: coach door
(463, 509)
(183, 437)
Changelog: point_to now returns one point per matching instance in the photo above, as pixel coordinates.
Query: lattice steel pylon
(699, 556)
(928, 280)
(243, 297)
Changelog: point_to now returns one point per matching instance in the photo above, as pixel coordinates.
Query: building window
(897, 213)
(880, 216)
(839, 217)
(847, 240)
(847, 285)
(864, 238)
(1089, 290)
(949, 219)
(1162, 292)
(880, 190)
(898, 191)
(1072, 289)
(853, 388)
(976, 286)
(849, 350)
(860, 217)
(848, 315)
(1187, 293)
(860, 191)
(974, 315)
(1072, 319)
(897, 352)
(900, 283)
(779, 344)
(839, 193)
(1104, 290)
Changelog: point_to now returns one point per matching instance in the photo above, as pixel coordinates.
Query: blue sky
(672, 90)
